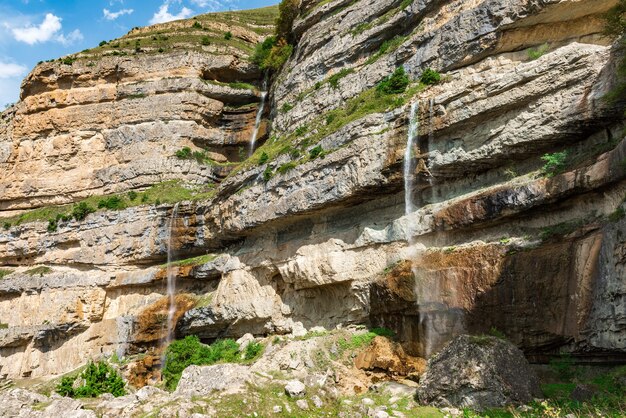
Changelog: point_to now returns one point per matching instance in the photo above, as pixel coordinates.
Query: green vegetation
(387, 47)
(4, 273)
(196, 25)
(167, 192)
(263, 158)
(193, 261)
(205, 41)
(563, 367)
(272, 53)
(560, 230)
(362, 340)
(395, 83)
(430, 77)
(535, 53)
(228, 36)
(3, 325)
(554, 163)
(286, 167)
(237, 85)
(617, 215)
(132, 195)
(316, 152)
(287, 12)
(268, 173)
(97, 379)
(183, 353)
(112, 203)
(38, 271)
(286, 107)
(334, 79)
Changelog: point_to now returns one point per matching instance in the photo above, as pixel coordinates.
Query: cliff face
(495, 241)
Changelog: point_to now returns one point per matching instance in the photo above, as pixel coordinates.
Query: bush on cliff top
(96, 379)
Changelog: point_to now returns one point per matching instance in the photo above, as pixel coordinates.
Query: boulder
(478, 372)
(389, 357)
(295, 388)
(202, 380)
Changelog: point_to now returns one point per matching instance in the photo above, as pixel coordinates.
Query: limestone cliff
(310, 230)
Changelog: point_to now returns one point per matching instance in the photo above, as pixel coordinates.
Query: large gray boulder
(202, 380)
(478, 372)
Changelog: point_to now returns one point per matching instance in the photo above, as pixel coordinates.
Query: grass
(167, 192)
(298, 142)
(237, 85)
(38, 271)
(358, 341)
(560, 230)
(4, 273)
(194, 261)
(536, 53)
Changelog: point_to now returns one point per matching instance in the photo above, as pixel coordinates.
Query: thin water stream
(259, 117)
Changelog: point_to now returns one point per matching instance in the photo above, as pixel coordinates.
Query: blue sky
(38, 30)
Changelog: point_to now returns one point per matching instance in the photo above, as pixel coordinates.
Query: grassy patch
(333, 80)
(167, 192)
(386, 48)
(194, 261)
(4, 273)
(38, 271)
(560, 230)
(536, 53)
(358, 341)
(237, 85)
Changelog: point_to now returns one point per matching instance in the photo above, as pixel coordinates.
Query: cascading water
(171, 281)
(259, 116)
(409, 166)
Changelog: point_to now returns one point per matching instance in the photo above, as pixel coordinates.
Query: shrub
(286, 167)
(80, 211)
(316, 152)
(112, 203)
(253, 350)
(6, 225)
(334, 79)
(263, 158)
(205, 41)
(267, 174)
(286, 107)
(183, 353)
(132, 195)
(287, 12)
(52, 225)
(272, 53)
(184, 154)
(430, 77)
(161, 50)
(97, 378)
(68, 60)
(301, 130)
(196, 25)
(555, 163)
(394, 84)
(102, 43)
(228, 36)
(262, 50)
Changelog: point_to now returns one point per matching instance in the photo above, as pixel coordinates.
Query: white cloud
(10, 70)
(108, 15)
(42, 33)
(163, 15)
(70, 38)
(214, 5)
(48, 30)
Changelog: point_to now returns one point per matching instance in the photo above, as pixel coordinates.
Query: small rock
(302, 404)
(525, 408)
(380, 414)
(316, 379)
(318, 330)
(277, 409)
(295, 388)
(582, 393)
(367, 401)
(397, 414)
(148, 392)
(317, 401)
(298, 330)
(454, 412)
(244, 341)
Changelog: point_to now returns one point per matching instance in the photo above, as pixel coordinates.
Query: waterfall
(259, 116)
(171, 280)
(409, 165)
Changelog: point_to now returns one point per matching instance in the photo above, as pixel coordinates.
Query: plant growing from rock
(395, 83)
(228, 36)
(555, 163)
(96, 379)
(430, 77)
(263, 158)
(536, 53)
(268, 173)
(80, 211)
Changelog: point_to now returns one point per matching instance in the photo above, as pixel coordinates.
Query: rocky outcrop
(478, 372)
(307, 240)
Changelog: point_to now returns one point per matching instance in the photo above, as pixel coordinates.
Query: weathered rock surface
(478, 372)
(327, 242)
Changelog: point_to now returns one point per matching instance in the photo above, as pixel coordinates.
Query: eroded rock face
(326, 241)
(478, 372)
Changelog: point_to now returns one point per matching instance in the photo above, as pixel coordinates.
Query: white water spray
(171, 281)
(409, 166)
(259, 116)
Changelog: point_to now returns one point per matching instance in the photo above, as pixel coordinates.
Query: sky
(39, 30)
